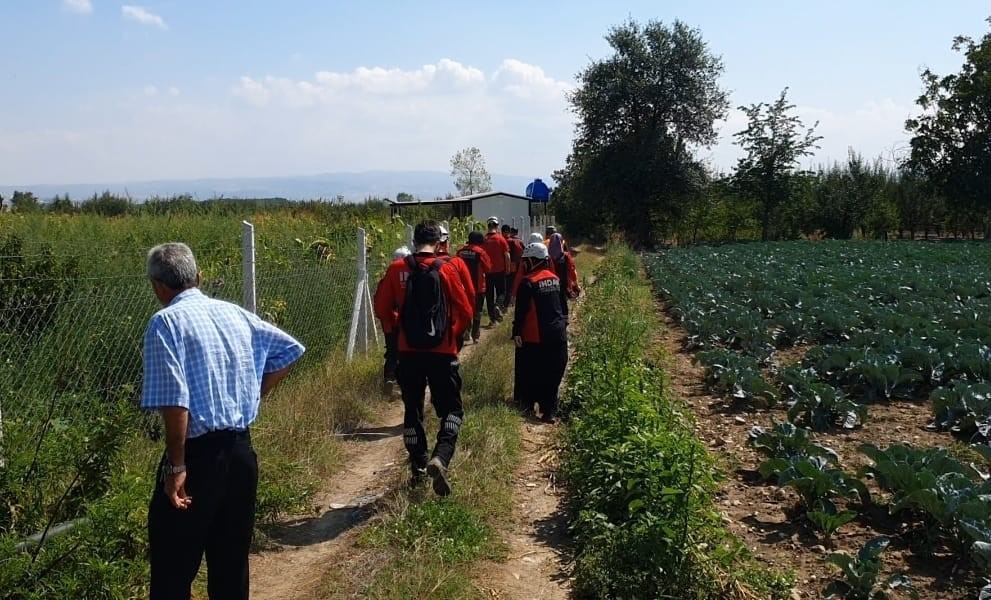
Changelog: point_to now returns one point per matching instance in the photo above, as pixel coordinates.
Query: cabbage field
(866, 368)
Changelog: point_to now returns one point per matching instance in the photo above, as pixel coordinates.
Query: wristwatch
(171, 469)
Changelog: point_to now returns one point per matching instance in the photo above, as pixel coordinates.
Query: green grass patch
(640, 482)
(428, 545)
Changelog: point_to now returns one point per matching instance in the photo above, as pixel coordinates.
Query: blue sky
(99, 91)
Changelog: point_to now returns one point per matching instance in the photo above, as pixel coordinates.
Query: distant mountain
(353, 186)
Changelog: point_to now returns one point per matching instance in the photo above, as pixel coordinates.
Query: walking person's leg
(445, 394)
(412, 378)
(476, 323)
(230, 534)
(391, 360)
(556, 361)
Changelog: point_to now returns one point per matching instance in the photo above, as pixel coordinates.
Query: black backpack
(424, 313)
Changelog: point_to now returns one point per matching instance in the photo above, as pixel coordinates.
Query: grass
(640, 483)
(423, 546)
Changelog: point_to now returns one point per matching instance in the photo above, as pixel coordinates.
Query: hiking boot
(418, 478)
(438, 472)
(474, 339)
(548, 418)
(387, 386)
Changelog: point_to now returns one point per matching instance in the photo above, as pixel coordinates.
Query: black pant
(391, 355)
(495, 293)
(539, 370)
(440, 371)
(476, 322)
(222, 479)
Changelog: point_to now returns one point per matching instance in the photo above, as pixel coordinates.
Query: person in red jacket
(390, 327)
(495, 279)
(477, 259)
(437, 365)
(515, 256)
(540, 331)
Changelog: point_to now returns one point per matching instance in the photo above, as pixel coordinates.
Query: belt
(223, 435)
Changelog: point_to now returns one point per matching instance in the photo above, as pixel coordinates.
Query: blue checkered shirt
(208, 356)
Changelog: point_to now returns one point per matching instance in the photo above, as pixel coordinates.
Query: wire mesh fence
(74, 303)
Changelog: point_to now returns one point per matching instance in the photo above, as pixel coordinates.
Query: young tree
(468, 170)
(951, 146)
(641, 114)
(774, 143)
(404, 197)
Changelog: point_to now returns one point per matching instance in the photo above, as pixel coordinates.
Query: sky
(99, 91)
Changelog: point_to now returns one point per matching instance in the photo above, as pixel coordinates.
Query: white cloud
(173, 91)
(141, 15)
(529, 81)
(150, 90)
(83, 7)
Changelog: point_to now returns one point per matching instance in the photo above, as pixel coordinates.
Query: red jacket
(497, 247)
(477, 260)
(515, 252)
(391, 295)
(539, 317)
(463, 272)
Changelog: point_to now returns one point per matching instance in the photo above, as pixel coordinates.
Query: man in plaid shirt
(206, 365)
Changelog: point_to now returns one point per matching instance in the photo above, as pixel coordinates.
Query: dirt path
(536, 535)
(540, 550)
(305, 545)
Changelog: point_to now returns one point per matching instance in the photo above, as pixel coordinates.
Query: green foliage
(773, 143)
(24, 202)
(860, 574)
(453, 533)
(640, 482)
(737, 377)
(640, 112)
(953, 133)
(468, 170)
(815, 480)
(785, 440)
(964, 409)
(821, 406)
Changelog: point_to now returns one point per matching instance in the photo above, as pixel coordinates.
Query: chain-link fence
(71, 334)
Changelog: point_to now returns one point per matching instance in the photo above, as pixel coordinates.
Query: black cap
(476, 237)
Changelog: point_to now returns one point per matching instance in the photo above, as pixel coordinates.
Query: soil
(537, 532)
(767, 519)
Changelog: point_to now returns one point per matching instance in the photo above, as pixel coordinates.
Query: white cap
(445, 235)
(493, 219)
(535, 250)
(401, 252)
(536, 237)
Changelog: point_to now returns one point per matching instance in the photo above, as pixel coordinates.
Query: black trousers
(495, 293)
(391, 355)
(222, 479)
(538, 374)
(476, 321)
(441, 373)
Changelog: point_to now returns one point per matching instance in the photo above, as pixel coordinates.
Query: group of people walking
(430, 303)
(207, 363)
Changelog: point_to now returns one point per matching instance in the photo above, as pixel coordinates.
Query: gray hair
(173, 264)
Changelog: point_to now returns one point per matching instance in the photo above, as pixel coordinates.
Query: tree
(641, 114)
(60, 204)
(468, 170)
(951, 146)
(23, 202)
(774, 142)
(404, 197)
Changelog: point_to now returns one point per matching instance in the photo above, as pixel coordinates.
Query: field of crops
(867, 367)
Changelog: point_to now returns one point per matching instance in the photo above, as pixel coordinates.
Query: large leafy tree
(641, 113)
(468, 170)
(951, 146)
(774, 141)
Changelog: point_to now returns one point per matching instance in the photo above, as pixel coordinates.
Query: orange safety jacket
(391, 295)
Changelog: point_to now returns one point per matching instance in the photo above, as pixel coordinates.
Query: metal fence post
(248, 265)
(358, 313)
(409, 238)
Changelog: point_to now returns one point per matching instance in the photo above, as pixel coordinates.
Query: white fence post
(359, 314)
(248, 265)
(409, 238)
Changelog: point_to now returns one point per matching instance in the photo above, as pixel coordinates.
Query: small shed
(479, 206)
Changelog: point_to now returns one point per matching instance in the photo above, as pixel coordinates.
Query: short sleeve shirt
(209, 356)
